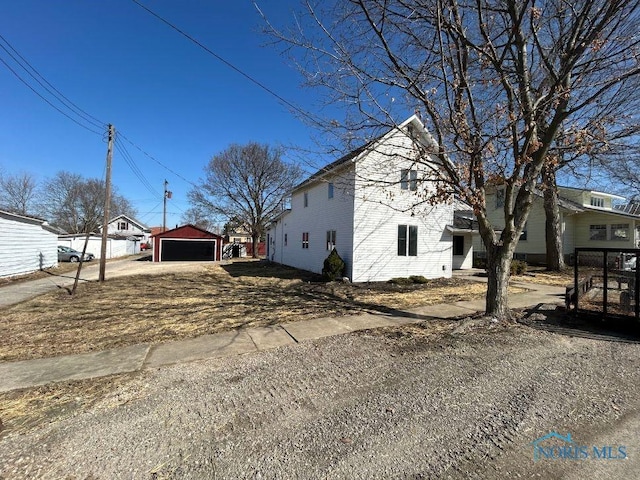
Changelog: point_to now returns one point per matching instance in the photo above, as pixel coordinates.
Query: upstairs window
(409, 179)
(305, 240)
(306, 199)
(523, 235)
(597, 202)
(123, 226)
(285, 239)
(330, 190)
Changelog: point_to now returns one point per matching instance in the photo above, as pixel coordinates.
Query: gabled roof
(130, 220)
(188, 226)
(354, 155)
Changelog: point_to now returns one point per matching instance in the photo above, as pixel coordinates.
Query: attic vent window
(597, 202)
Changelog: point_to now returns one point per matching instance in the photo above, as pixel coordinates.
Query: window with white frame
(620, 232)
(331, 239)
(123, 226)
(409, 179)
(330, 190)
(597, 202)
(407, 240)
(523, 235)
(597, 232)
(305, 240)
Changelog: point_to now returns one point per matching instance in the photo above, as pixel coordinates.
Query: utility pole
(167, 194)
(107, 204)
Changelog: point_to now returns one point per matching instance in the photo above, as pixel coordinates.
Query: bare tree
(200, 217)
(76, 204)
(248, 182)
(18, 193)
(497, 81)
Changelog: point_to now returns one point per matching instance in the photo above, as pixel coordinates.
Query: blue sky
(166, 95)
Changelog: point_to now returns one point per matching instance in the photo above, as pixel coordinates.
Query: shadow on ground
(266, 269)
(557, 320)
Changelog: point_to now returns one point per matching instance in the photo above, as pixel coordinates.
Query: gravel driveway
(388, 403)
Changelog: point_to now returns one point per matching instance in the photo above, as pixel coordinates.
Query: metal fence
(606, 283)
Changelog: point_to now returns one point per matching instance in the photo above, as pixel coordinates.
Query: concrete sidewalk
(31, 373)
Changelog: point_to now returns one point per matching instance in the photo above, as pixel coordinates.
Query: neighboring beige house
(589, 219)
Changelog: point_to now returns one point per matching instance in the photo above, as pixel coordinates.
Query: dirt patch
(214, 298)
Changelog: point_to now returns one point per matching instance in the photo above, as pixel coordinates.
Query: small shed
(187, 243)
(27, 244)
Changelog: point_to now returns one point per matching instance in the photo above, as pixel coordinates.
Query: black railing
(606, 283)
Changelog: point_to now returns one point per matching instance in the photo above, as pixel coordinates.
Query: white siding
(319, 216)
(367, 207)
(25, 246)
(133, 228)
(381, 205)
(116, 247)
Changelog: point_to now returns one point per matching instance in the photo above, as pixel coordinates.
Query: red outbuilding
(187, 243)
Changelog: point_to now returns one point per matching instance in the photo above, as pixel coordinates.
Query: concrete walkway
(31, 373)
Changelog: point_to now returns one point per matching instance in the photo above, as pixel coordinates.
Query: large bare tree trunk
(553, 226)
(499, 271)
(255, 239)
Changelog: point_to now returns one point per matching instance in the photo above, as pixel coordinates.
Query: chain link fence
(606, 283)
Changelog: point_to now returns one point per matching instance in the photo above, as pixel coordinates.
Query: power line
(134, 168)
(46, 100)
(223, 60)
(55, 93)
(148, 155)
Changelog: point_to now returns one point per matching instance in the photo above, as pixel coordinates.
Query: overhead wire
(223, 60)
(134, 167)
(84, 120)
(148, 155)
(39, 78)
(47, 100)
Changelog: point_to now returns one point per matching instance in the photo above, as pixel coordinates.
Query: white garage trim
(214, 240)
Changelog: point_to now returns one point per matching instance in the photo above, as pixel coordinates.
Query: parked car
(67, 254)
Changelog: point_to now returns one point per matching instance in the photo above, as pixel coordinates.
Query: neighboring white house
(124, 226)
(27, 244)
(588, 219)
(361, 205)
(116, 246)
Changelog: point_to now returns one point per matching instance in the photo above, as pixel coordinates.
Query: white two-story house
(363, 205)
(124, 226)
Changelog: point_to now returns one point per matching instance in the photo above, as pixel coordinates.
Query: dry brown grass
(24, 409)
(153, 309)
(543, 277)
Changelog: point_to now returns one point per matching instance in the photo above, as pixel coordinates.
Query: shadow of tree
(557, 320)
